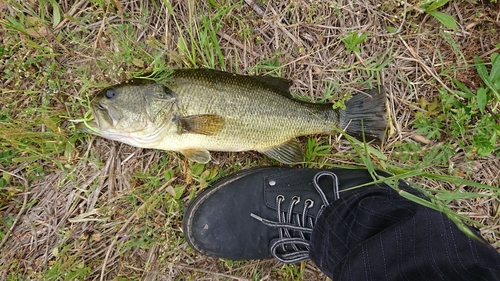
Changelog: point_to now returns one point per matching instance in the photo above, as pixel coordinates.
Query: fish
(195, 111)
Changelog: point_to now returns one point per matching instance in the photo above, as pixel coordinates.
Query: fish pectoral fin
(206, 124)
(288, 152)
(197, 155)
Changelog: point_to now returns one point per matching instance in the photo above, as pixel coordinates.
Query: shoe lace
(294, 230)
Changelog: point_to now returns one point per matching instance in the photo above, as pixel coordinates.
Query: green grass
(125, 206)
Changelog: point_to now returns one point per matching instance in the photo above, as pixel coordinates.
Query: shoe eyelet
(280, 198)
(296, 199)
(272, 182)
(309, 203)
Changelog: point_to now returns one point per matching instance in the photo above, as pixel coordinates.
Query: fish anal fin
(205, 124)
(197, 155)
(289, 152)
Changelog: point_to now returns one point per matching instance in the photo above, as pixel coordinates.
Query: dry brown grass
(105, 209)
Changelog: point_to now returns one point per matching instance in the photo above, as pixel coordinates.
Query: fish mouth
(101, 119)
(105, 115)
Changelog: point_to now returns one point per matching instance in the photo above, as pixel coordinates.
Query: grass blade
(483, 73)
(445, 19)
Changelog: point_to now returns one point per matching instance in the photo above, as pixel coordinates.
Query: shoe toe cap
(218, 222)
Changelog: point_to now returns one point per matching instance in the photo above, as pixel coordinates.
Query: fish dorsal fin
(288, 152)
(197, 155)
(279, 85)
(205, 124)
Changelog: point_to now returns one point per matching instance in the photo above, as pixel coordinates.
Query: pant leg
(373, 233)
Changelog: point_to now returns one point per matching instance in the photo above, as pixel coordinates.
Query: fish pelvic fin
(205, 124)
(197, 155)
(366, 115)
(287, 153)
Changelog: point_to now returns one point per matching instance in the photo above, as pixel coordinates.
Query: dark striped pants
(373, 233)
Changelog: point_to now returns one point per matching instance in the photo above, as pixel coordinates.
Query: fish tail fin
(366, 114)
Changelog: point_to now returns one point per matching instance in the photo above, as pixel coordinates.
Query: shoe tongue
(290, 184)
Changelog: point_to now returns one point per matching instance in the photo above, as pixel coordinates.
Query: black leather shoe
(264, 212)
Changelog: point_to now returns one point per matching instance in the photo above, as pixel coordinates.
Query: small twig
(122, 229)
(487, 54)
(76, 8)
(405, 7)
(498, 13)
(255, 7)
(278, 24)
(101, 28)
(492, 114)
(211, 272)
(424, 66)
(236, 43)
(23, 208)
(113, 242)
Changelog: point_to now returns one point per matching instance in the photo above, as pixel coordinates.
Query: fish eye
(110, 94)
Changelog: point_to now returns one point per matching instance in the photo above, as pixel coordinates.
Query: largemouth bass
(200, 110)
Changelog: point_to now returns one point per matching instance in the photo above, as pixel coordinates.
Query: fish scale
(200, 110)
